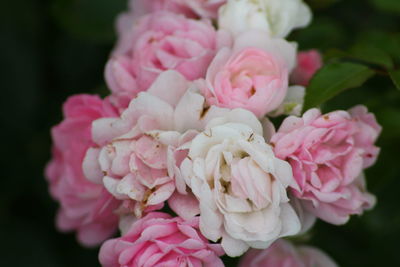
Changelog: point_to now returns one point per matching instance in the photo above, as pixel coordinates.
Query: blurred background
(51, 49)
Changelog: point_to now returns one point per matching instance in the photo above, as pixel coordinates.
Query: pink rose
(308, 63)
(131, 159)
(154, 43)
(284, 254)
(160, 240)
(252, 75)
(367, 135)
(328, 154)
(85, 207)
(189, 8)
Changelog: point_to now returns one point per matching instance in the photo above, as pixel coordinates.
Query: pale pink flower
(161, 241)
(85, 207)
(240, 184)
(253, 74)
(136, 157)
(368, 133)
(284, 254)
(189, 8)
(308, 63)
(154, 43)
(328, 154)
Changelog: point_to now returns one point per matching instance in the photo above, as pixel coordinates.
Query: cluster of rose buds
(182, 157)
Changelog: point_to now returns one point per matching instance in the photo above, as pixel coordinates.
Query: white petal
(233, 247)
(290, 222)
(169, 86)
(111, 185)
(91, 167)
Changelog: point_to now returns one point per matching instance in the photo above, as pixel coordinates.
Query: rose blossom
(132, 158)
(328, 154)
(154, 43)
(284, 254)
(240, 184)
(189, 8)
(159, 240)
(276, 17)
(308, 63)
(85, 207)
(252, 75)
(368, 133)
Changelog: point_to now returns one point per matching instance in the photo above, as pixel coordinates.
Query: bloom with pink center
(308, 63)
(132, 158)
(328, 154)
(284, 254)
(85, 207)
(161, 241)
(252, 75)
(240, 184)
(189, 8)
(154, 43)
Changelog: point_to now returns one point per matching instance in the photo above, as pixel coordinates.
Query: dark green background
(52, 49)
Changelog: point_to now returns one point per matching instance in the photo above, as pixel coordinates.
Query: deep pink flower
(284, 254)
(154, 43)
(85, 207)
(328, 154)
(160, 240)
(308, 63)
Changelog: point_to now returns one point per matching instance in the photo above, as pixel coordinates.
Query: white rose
(277, 17)
(240, 184)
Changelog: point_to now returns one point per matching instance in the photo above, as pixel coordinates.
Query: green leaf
(364, 53)
(395, 75)
(333, 79)
(371, 54)
(387, 41)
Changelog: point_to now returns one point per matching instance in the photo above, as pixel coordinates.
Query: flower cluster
(186, 129)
